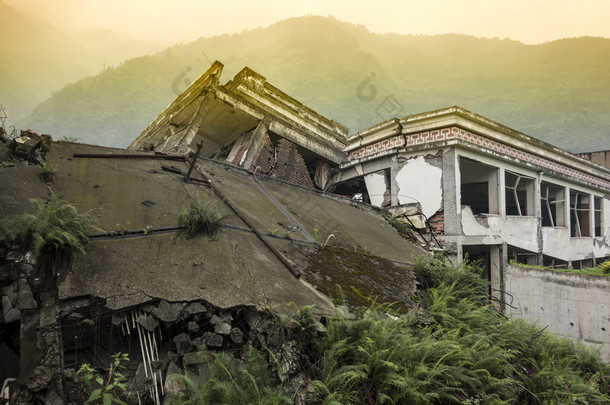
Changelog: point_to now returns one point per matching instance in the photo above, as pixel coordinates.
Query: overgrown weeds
(201, 216)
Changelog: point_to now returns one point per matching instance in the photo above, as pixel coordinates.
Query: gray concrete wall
(571, 305)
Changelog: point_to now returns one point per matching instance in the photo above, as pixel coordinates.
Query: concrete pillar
(538, 213)
(592, 216)
(198, 118)
(393, 182)
(451, 193)
(255, 143)
(495, 262)
(502, 192)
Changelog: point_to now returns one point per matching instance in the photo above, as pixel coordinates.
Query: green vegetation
(602, 270)
(231, 381)
(47, 171)
(551, 91)
(605, 267)
(402, 228)
(107, 391)
(54, 234)
(457, 348)
(201, 216)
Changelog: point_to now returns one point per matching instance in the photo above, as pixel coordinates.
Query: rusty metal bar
(241, 215)
(194, 161)
(127, 156)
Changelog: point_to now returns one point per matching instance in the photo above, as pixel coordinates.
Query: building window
(552, 203)
(597, 209)
(479, 186)
(579, 214)
(519, 194)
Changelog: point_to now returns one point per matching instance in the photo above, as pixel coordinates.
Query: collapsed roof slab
(134, 191)
(218, 114)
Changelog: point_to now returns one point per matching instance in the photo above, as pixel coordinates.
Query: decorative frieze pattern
(446, 134)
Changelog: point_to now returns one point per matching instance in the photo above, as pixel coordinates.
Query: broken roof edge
(463, 118)
(257, 82)
(209, 78)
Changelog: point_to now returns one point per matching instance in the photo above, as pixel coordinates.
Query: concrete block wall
(570, 305)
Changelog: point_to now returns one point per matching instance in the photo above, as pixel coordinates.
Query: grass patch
(602, 270)
(201, 216)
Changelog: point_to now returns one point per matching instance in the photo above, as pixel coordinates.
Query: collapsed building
(278, 172)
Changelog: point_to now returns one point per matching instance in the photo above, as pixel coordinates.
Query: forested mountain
(555, 91)
(37, 58)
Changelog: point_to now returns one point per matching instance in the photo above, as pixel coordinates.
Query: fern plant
(231, 381)
(54, 234)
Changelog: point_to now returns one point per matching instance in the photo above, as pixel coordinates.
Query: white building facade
(487, 192)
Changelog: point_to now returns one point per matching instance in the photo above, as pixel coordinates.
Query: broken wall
(571, 305)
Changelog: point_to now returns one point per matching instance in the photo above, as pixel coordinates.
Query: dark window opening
(552, 203)
(519, 191)
(579, 214)
(479, 186)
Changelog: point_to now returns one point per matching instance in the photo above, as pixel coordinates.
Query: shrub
(605, 266)
(107, 390)
(201, 216)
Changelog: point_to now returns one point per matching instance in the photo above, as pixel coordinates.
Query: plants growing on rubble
(232, 381)
(457, 348)
(201, 215)
(47, 171)
(54, 234)
(106, 391)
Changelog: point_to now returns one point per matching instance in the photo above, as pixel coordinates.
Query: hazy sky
(166, 22)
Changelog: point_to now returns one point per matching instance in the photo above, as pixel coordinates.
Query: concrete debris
(211, 339)
(237, 336)
(223, 328)
(195, 308)
(289, 360)
(29, 145)
(10, 314)
(167, 312)
(183, 344)
(193, 326)
(173, 387)
(147, 322)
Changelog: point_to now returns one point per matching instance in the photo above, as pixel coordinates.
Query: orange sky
(166, 22)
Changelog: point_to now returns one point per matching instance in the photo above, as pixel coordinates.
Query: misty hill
(37, 58)
(555, 91)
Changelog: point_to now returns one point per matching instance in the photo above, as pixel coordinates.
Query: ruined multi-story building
(273, 169)
(480, 189)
